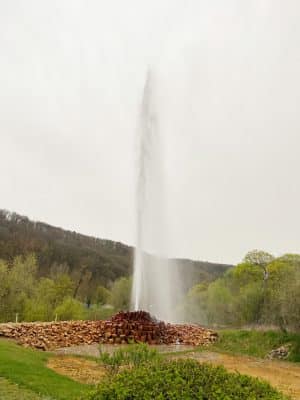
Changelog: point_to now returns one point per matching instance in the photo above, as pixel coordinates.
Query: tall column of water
(152, 279)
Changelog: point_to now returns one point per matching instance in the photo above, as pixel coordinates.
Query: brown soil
(284, 376)
(78, 369)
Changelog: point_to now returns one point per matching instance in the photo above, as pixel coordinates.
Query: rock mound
(124, 327)
(138, 316)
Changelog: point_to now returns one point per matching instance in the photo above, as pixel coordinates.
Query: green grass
(257, 343)
(10, 391)
(27, 369)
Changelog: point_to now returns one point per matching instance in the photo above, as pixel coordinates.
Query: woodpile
(193, 335)
(52, 335)
(124, 327)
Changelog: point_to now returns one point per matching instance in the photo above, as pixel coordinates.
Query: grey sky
(71, 79)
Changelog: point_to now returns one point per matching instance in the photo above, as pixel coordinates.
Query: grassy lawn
(257, 343)
(27, 369)
(10, 391)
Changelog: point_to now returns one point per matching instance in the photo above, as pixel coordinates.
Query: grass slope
(27, 368)
(257, 343)
(10, 391)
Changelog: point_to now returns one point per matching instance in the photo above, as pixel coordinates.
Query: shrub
(120, 294)
(182, 380)
(133, 355)
(97, 312)
(70, 309)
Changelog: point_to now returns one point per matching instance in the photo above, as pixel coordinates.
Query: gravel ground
(93, 350)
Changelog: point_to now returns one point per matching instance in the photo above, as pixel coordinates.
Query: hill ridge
(99, 261)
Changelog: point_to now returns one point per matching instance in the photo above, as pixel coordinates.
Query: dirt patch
(93, 350)
(284, 376)
(79, 369)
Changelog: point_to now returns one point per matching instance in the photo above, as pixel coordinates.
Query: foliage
(70, 309)
(35, 298)
(27, 368)
(131, 355)
(183, 379)
(257, 343)
(32, 298)
(48, 295)
(97, 312)
(89, 261)
(258, 257)
(101, 295)
(257, 291)
(120, 294)
(16, 285)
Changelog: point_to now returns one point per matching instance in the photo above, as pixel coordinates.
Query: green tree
(48, 295)
(102, 295)
(70, 309)
(120, 294)
(282, 302)
(194, 308)
(21, 278)
(4, 291)
(260, 258)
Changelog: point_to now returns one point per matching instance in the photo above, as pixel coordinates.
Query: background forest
(47, 274)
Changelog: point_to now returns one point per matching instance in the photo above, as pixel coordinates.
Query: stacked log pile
(52, 335)
(123, 328)
(193, 335)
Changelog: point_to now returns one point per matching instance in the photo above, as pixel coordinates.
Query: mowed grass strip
(27, 368)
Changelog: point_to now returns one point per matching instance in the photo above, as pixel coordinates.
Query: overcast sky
(228, 75)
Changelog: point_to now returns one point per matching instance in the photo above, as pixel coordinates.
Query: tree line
(261, 290)
(26, 296)
(89, 261)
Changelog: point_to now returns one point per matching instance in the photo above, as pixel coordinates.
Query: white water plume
(154, 277)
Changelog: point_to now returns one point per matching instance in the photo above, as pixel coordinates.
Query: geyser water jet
(154, 277)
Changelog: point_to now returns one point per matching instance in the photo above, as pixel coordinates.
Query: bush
(120, 294)
(97, 312)
(70, 309)
(182, 380)
(133, 355)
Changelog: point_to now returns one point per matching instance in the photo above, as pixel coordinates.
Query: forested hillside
(103, 260)
(89, 261)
